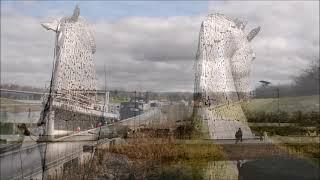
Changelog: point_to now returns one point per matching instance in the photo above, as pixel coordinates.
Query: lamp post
(266, 83)
(278, 109)
(135, 108)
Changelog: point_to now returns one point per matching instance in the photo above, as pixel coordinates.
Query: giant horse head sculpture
(242, 58)
(222, 66)
(222, 70)
(74, 48)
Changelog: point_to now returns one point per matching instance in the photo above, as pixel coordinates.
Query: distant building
(154, 104)
(114, 108)
(131, 109)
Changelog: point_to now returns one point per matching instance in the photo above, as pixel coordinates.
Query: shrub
(303, 119)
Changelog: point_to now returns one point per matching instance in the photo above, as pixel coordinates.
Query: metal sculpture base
(216, 127)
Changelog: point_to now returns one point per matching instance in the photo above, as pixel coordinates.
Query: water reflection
(222, 170)
(28, 162)
(276, 168)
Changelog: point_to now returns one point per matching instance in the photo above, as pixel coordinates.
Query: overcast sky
(152, 45)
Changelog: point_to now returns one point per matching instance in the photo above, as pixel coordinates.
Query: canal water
(276, 168)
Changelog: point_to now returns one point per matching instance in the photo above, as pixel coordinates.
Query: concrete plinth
(49, 132)
(222, 125)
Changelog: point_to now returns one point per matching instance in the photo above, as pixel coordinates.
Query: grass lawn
(10, 105)
(6, 101)
(117, 100)
(288, 104)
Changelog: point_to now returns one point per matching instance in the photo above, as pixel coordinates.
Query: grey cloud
(151, 38)
(158, 53)
(289, 37)
(145, 53)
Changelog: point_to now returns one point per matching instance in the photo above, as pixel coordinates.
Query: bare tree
(307, 83)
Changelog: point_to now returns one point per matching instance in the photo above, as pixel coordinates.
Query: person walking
(240, 134)
(237, 136)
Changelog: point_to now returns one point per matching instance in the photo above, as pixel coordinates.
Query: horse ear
(76, 13)
(53, 25)
(253, 33)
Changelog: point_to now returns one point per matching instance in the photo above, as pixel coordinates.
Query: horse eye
(253, 56)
